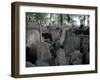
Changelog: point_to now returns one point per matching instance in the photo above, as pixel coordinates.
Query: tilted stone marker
(43, 51)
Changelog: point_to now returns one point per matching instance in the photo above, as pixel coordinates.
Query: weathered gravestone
(33, 36)
(32, 33)
(39, 51)
(69, 43)
(76, 57)
(43, 51)
(55, 35)
(60, 57)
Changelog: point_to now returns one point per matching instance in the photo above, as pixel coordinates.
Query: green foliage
(39, 17)
(52, 18)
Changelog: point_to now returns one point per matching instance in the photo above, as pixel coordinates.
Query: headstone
(32, 36)
(69, 43)
(76, 57)
(39, 51)
(43, 51)
(55, 35)
(60, 57)
(62, 37)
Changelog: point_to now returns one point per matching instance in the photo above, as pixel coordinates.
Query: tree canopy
(51, 19)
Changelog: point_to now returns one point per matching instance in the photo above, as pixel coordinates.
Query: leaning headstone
(43, 51)
(68, 43)
(62, 37)
(60, 57)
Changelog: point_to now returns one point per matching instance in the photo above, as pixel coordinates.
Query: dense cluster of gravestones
(54, 50)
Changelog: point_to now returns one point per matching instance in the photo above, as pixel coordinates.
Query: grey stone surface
(32, 36)
(41, 63)
(29, 64)
(39, 51)
(85, 43)
(77, 41)
(55, 35)
(85, 48)
(33, 52)
(33, 25)
(69, 43)
(43, 51)
(67, 60)
(60, 57)
(86, 58)
(62, 37)
(76, 57)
